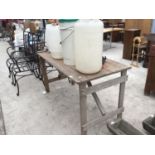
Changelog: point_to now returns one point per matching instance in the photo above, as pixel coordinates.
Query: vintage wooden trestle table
(110, 67)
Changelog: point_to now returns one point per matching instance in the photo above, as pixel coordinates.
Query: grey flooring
(58, 111)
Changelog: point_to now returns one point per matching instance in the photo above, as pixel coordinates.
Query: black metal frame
(17, 65)
(25, 61)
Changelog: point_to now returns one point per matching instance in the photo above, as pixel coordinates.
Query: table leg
(83, 107)
(121, 94)
(44, 74)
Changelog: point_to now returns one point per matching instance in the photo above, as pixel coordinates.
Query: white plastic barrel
(46, 34)
(88, 44)
(67, 33)
(53, 40)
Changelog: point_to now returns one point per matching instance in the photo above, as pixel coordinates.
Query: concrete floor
(58, 112)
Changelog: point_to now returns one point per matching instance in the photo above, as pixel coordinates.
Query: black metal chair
(24, 61)
(20, 66)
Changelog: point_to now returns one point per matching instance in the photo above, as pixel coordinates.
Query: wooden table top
(110, 67)
(106, 30)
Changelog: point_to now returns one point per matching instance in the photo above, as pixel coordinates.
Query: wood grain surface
(109, 67)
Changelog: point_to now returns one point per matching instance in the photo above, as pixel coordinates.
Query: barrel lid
(67, 20)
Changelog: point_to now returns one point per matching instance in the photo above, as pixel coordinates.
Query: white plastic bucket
(88, 44)
(53, 40)
(67, 33)
(48, 26)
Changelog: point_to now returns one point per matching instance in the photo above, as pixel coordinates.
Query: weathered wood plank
(83, 107)
(121, 93)
(44, 73)
(56, 79)
(102, 119)
(104, 85)
(97, 100)
(110, 67)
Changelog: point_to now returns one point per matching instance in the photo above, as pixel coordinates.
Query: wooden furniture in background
(114, 23)
(82, 80)
(117, 35)
(110, 31)
(150, 81)
(128, 42)
(111, 22)
(151, 41)
(143, 24)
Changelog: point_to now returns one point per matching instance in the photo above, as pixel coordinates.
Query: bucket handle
(71, 27)
(68, 35)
